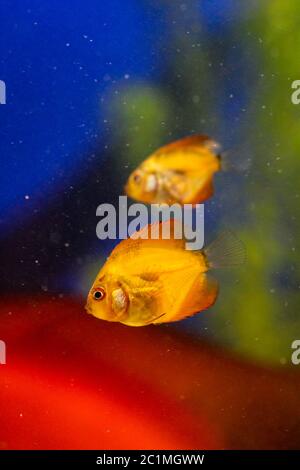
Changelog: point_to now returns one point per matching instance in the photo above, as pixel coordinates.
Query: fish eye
(137, 178)
(99, 294)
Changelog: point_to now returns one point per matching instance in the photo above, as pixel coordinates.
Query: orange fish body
(152, 281)
(180, 172)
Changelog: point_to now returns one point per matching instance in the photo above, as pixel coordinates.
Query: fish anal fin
(183, 294)
(202, 193)
(202, 294)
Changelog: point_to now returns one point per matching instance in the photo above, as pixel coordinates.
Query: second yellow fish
(180, 172)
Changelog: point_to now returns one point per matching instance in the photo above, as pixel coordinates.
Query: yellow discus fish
(180, 172)
(148, 281)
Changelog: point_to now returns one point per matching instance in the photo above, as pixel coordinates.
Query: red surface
(72, 381)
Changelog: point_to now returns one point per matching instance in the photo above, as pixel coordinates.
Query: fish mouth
(88, 309)
(127, 189)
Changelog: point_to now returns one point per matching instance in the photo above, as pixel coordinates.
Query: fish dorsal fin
(167, 234)
(190, 141)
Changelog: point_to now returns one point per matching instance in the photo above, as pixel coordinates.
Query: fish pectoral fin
(188, 186)
(175, 185)
(149, 277)
(146, 290)
(145, 285)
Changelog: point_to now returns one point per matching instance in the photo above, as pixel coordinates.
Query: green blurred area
(257, 312)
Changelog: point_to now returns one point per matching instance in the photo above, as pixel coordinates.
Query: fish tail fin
(227, 250)
(235, 160)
